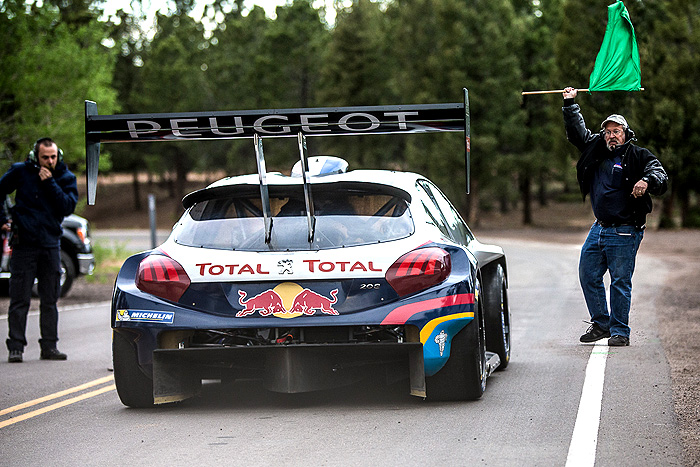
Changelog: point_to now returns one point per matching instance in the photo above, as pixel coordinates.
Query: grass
(108, 261)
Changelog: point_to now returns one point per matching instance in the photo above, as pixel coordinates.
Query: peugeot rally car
(307, 281)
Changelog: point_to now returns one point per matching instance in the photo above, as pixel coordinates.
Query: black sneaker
(53, 354)
(15, 356)
(594, 333)
(619, 341)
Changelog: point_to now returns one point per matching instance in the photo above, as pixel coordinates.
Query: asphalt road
(527, 416)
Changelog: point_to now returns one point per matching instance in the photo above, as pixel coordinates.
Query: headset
(33, 155)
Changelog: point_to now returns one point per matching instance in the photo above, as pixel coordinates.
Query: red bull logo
(287, 300)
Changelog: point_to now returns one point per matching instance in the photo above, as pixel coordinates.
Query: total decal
(303, 268)
(287, 300)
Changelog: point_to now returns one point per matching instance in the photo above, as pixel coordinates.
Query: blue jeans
(612, 250)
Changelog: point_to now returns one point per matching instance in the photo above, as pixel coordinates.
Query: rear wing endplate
(272, 123)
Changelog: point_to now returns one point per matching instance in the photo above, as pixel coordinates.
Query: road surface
(544, 410)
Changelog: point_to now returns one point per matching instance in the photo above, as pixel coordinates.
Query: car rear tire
(464, 375)
(497, 317)
(134, 388)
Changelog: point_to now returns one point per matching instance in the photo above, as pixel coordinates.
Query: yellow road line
(58, 405)
(56, 395)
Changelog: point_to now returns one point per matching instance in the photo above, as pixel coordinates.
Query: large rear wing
(272, 123)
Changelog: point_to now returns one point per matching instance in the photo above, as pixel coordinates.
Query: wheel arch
(490, 268)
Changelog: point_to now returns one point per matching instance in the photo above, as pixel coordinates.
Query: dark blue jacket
(637, 163)
(40, 206)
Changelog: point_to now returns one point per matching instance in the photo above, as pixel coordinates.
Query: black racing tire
(464, 375)
(497, 316)
(134, 388)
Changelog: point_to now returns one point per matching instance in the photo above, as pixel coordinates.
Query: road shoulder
(678, 313)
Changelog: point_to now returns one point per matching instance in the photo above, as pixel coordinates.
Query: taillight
(163, 277)
(419, 269)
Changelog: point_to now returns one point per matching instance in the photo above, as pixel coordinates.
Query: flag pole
(554, 91)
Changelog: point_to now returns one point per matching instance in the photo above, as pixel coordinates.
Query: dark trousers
(28, 263)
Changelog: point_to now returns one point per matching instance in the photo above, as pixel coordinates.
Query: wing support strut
(264, 192)
(308, 198)
(467, 140)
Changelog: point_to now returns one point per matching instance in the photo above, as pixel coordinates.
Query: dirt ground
(679, 317)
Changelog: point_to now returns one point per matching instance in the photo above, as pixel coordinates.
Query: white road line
(585, 437)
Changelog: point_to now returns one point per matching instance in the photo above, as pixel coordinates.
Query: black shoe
(594, 333)
(15, 356)
(53, 354)
(619, 341)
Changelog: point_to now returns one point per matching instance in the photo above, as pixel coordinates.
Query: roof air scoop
(319, 166)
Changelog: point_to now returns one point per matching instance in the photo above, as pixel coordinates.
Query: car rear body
(307, 281)
(216, 301)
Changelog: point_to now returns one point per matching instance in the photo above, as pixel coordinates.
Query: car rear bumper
(177, 373)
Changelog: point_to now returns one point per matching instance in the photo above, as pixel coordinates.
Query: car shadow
(251, 396)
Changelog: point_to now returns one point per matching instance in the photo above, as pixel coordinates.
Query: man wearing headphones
(46, 192)
(619, 176)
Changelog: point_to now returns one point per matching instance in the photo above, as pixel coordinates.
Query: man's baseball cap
(615, 118)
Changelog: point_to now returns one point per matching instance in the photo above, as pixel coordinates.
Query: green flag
(617, 65)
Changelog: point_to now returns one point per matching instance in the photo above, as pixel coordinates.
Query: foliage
(446, 46)
(668, 118)
(56, 53)
(49, 67)
(108, 261)
(357, 71)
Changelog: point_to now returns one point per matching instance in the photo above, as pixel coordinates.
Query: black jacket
(40, 206)
(637, 163)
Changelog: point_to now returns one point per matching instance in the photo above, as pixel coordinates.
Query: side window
(432, 210)
(458, 229)
(467, 234)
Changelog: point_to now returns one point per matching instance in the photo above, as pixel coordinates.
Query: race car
(308, 281)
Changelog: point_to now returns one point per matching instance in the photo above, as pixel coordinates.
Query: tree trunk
(542, 189)
(526, 195)
(137, 190)
(666, 221)
(473, 204)
(503, 203)
(180, 181)
(684, 198)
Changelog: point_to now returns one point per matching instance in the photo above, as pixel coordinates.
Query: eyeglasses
(616, 132)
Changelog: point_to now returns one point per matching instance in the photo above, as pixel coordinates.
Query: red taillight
(418, 270)
(162, 276)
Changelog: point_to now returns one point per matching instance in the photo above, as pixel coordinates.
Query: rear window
(346, 215)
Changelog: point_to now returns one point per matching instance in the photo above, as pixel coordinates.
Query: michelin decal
(165, 317)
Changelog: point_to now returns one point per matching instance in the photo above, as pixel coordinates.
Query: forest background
(56, 54)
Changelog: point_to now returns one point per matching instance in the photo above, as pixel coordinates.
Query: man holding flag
(619, 176)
